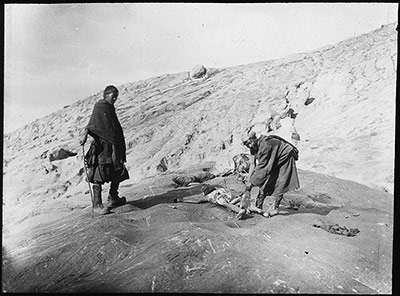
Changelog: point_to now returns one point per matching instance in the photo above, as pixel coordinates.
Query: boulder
(200, 177)
(60, 153)
(291, 113)
(44, 154)
(309, 101)
(162, 166)
(198, 72)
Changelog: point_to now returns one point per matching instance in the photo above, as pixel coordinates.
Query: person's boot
(113, 200)
(274, 209)
(259, 204)
(244, 205)
(259, 201)
(98, 206)
(241, 213)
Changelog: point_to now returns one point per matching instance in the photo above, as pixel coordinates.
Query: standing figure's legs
(98, 206)
(113, 199)
(260, 198)
(273, 210)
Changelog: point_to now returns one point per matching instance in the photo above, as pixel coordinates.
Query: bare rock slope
(347, 131)
(344, 98)
(154, 244)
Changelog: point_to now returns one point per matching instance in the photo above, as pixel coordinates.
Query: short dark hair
(110, 89)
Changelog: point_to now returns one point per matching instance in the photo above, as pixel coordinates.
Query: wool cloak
(104, 124)
(275, 171)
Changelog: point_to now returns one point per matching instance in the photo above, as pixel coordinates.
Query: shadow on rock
(170, 196)
(316, 203)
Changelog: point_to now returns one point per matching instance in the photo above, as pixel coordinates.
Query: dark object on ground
(60, 153)
(291, 113)
(295, 136)
(198, 71)
(199, 178)
(309, 101)
(207, 188)
(336, 229)
(183, 180)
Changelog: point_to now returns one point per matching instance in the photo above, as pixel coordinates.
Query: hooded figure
(107, 153)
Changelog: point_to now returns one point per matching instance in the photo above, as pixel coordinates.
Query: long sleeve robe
(275, 170)
(107, 153)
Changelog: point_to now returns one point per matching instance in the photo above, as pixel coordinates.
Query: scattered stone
(309, 101)
(295, 136)
(81, 171)
(44, 154)
(290, 113)
(48, 168)
(60, 153)
(162, 166)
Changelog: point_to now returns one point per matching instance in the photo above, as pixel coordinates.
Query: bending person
(272, 168)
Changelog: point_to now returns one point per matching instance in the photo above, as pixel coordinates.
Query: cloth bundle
(220, 196)
(336, 229)
(198, 178)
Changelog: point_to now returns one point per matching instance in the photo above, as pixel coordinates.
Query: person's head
(251, 142)
(110, 94)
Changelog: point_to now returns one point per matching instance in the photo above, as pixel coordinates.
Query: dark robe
(107, 153)
(275, 172)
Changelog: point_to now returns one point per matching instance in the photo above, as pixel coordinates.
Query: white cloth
(219, 196)
(285, 130)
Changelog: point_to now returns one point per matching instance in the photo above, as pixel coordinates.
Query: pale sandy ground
(346, 132)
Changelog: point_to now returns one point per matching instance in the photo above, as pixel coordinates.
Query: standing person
(272, 169)
(107, 153)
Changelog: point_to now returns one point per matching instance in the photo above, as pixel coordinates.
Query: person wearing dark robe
(272, 169)
(107, 153)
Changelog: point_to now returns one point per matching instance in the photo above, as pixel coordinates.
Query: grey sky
(56, 54)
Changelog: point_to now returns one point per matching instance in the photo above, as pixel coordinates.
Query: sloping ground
(154, 244)
(347, 131)
(51, 244)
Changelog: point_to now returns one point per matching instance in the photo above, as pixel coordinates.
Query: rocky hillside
(343, 94)
(343, 98)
